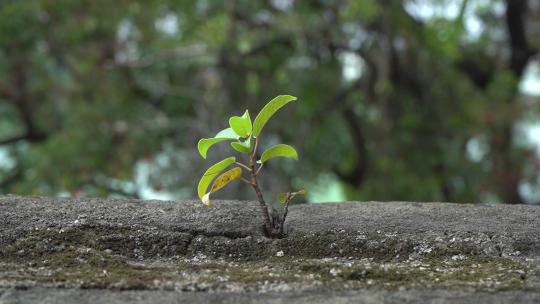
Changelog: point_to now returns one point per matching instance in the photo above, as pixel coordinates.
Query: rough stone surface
(129, 251)
(48, 296)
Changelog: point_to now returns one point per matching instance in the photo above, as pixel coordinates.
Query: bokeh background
(398, 100)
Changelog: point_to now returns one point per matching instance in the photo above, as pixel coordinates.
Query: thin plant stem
(259, 169)
(285, 211)
(245, 181)
(255, 185)
(243, 166)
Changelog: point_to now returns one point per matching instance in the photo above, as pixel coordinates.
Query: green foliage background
(110, 97)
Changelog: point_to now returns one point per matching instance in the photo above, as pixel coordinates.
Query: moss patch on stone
(88, 268)
(124, 241)
(137, 259)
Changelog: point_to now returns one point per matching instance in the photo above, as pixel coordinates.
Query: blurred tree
(100, 97)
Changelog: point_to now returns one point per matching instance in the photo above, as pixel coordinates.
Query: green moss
(331, 244)
(339, 274)
(98, 259)
(91, 269)
(487, 271)
(127, 242)
(97, 269)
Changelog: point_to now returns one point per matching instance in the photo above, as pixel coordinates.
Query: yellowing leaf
(221, 181)
(282, 197)
(280, 150)
(269, 110)
(211, 173)
(225, 178)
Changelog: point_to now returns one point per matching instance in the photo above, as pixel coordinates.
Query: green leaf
(226, 133)
(212, 172)
(243, 147)
(221, 181)
(269, 109)
(241, 125)
(223, 135)
(205, 144)
(280, 150)
(240, 147)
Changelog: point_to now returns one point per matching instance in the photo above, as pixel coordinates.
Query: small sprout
(245, 137)
(282, 197)
(285, 197)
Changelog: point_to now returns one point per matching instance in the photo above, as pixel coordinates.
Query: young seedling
(245, 137)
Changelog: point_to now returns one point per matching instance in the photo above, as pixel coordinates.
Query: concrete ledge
(162, 228)
(348, 247)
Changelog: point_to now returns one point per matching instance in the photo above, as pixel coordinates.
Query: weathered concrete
(162, 251)
(50, 296)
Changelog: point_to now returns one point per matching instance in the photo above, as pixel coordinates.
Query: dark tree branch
(515, 22)
(462, 9)
(265, 46)
(12, 140)
(507, 172)
(357, 175)
(479, 68)
(30, 137)
(18, 96)
(371, 73)
(338, 103)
